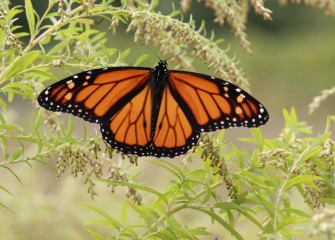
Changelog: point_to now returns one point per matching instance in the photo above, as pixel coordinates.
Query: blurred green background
(293, 60)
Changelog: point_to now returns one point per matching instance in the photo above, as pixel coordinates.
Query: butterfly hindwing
(174, 134)
(211, 104)
(129, 130)
(95, 95)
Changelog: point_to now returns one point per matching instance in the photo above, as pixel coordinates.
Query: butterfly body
(153, 112)
(157, 82)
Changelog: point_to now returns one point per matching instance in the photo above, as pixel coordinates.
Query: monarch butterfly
(153, 111)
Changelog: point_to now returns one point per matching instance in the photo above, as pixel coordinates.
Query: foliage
(231, 185)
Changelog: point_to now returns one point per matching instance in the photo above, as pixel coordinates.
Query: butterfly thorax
(158, 81)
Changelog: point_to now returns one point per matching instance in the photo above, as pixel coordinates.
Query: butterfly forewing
(95, 95)
(211, 103)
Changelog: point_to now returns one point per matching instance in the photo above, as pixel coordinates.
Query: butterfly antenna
(191, 49)
(143, 44)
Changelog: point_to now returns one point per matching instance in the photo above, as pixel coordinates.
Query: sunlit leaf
(59, 47)
(20, 64)
(303, 179)
(221, 221)
(17, 153)
(29, 10)
(292, 220)
(142, 58)
(133, 185)
(96, 235)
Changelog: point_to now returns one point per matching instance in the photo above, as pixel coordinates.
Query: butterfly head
(162, 64)
(161, 69)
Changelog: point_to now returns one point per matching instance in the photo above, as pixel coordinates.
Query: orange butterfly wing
(174, 134)
(95, 95)
(135, 121)
(211, 104)
(129, 130)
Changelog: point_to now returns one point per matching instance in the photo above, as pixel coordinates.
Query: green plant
(219, 181)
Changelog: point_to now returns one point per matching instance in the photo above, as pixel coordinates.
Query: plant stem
(33, 43)
(281, 190)
(176, 209)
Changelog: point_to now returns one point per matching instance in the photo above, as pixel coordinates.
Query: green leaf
(303, 179)
(69, 130)
(142, 58)
(18, 88)
(201, 27)
(110, 221)
(4, 206)
(12, 127)
(22, 34)
(256, 132)
(124, 214)
(253, 178)
(105, 215)
(310, 153)
(125, 54)
(122, 16)
(59, 47)
(222, 222)
(153, 4)
(30, 16)
(292, 220)
(5, 190)
(329, 200)
(147, 214)
(4, 147)
(96, 235)
(3, 105)
(14, 174)
(295, 211)
(21, 63)
(17, 153)
(38, 139)
(165, 234)
(169, 167)
(13, 12)
(133, 185)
